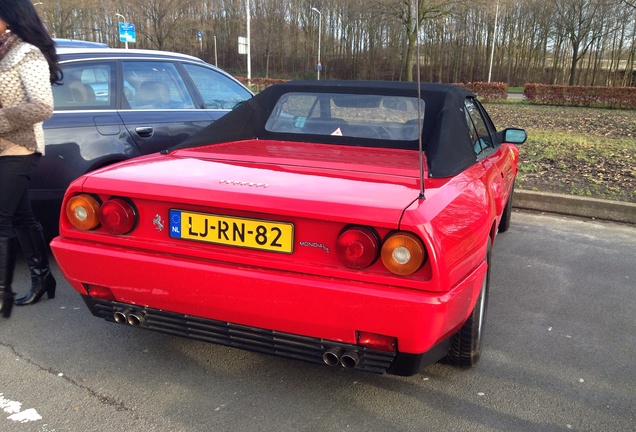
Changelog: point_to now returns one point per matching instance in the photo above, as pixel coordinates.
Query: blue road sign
(127, 32)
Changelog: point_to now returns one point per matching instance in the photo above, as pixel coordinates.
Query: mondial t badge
(158, 222)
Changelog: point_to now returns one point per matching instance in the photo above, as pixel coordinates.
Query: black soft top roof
(445, 136)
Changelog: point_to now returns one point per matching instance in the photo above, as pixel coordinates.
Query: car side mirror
(515, 136)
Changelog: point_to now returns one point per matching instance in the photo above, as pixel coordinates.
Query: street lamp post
(319, 65)
(494, 36)
(124, 18)
(249, 43)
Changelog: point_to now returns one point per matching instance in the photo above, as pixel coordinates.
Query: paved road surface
(559, 356)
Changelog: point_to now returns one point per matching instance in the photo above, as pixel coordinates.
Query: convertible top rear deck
(445, 136)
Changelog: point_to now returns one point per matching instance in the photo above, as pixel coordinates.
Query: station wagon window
(85, 86)
(347, 115)
(152, 85)
(217, 90)
(478, 127)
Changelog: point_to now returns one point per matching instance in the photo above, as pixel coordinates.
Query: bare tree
(630, 3)
(560, 41)
(582, 23)
(410, 15)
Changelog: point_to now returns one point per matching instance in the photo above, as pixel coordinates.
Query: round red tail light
(117, 216)
(358, 247)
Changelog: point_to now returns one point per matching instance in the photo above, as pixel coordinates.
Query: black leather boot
(7, 263)
(35, 251)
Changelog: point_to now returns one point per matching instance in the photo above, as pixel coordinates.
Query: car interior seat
(62, 96)
(152, 94)
(81, 93)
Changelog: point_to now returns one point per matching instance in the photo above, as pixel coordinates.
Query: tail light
(117, 216)
(403, 253)
(82, 212)
(358, 247)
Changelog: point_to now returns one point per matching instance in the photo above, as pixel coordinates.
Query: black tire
(465, 349)
(504, 223)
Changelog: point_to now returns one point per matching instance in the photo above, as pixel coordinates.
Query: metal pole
(319, 65)
(124, 18)
(249, 57)
(492, 49)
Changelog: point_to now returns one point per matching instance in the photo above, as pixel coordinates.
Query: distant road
(515, 96)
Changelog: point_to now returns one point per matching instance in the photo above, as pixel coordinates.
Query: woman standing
(28, 67)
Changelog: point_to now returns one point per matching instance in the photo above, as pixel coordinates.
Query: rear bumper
(309, 312)
(264, 341)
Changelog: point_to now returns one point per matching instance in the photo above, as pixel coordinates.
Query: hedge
(602, 97)
(259, 84)
(488, 92)
(485, 91)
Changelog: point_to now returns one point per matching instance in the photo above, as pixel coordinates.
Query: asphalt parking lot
(559, 356)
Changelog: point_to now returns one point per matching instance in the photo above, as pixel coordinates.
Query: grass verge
(579, 151)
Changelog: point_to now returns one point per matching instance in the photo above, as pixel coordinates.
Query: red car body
(284, 289)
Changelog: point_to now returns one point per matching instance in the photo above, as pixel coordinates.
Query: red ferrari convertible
(346, 223)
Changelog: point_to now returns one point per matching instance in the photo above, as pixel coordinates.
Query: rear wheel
(465, 348)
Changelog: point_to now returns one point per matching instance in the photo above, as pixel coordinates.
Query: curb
(615, 211)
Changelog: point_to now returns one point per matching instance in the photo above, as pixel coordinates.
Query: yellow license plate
(232, 231)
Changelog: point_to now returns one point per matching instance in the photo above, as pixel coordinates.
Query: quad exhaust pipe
(128, 316)
(331, 357)
(121, 316)
(350, 360)
(336, 356)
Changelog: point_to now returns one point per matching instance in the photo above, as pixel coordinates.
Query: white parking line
(14, 408)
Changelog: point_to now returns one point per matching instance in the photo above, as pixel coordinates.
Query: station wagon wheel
(465, 349)
(506, 216)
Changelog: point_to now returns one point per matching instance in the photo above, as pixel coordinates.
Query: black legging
(15, 204)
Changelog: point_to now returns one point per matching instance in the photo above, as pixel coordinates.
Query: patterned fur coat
(26, 99)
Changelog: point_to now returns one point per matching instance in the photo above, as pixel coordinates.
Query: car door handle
(144, 131)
